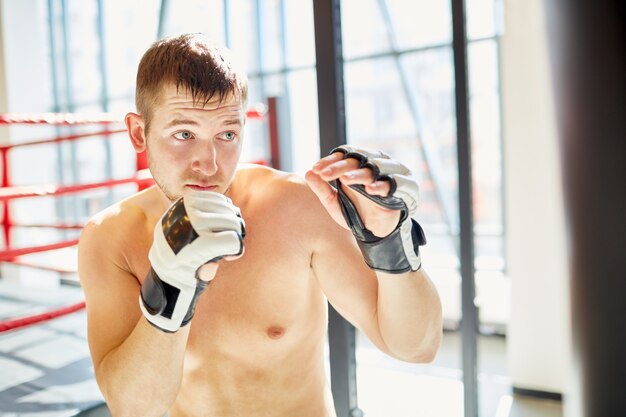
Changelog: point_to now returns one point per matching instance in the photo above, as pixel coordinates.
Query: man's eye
(184, 135)
(229, 136)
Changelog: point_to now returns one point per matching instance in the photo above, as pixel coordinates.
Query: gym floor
(392, 388)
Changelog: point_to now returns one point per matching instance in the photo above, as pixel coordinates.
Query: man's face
(194, 145)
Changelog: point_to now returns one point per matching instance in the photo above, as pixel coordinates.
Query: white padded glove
(199, 228)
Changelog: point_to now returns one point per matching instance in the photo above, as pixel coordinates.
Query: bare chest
(270, 290)
(265, 302)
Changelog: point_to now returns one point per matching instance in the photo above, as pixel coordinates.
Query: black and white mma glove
(397, 252)
(199, 228)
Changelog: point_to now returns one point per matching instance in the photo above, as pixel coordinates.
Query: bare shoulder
(117, 221)
(115, 234)
(286, 200)
(265, 186)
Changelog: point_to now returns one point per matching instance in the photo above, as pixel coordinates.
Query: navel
(275, 332)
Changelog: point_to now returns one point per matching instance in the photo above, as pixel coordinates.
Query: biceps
(112, 306)
(350, 286)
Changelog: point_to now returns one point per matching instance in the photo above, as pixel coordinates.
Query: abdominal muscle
(223, 387)
(260, 378)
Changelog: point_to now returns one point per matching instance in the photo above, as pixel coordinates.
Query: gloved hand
(199, 228)
(397, 252)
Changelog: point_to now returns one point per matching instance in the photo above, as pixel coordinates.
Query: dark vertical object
(332, 122)
(6, 210)
(279, 133)
(588, 44)
(341, 340)
(272, 116)
(469, 321)
(329, 59)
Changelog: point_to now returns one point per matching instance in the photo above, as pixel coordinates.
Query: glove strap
(158, 300)
(395, 253)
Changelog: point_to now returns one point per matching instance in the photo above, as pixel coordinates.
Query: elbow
(425, 353)
(120, 407)
(122, 403)
(423, 356)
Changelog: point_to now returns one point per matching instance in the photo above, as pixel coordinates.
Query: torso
(256, 344)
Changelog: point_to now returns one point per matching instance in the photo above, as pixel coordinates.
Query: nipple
(275, 332)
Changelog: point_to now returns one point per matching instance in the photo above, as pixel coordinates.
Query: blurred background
(80, 56)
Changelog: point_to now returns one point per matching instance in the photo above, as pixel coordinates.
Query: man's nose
(204, 158)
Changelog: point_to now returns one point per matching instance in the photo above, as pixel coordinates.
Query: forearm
(141, 377)
(409, 315)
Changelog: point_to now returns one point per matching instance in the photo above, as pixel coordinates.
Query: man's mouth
(201, 187)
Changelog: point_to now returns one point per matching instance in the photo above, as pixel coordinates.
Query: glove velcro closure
(161, 303)
(385, 254)
(395, 253)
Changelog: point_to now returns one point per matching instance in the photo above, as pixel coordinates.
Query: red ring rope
(60, 226)
(12, 193)
(12, 324)
(58, 118)
(43, 267)
(8, 254)
(62, 138)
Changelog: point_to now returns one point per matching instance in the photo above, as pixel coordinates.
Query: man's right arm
(138, 367)
(137, 334)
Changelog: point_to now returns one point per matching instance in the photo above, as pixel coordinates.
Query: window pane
(486, 153)
(376, 105)
(243, 33)
(432, 88)
(270, 53)
(364, 30)
(404, 118)
(299, 33)
(130, 28)
(481, 18)
(304, 119)
(193, 16)
(420, 23)
(84, 49)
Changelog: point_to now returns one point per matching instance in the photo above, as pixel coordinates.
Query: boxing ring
(45, 368)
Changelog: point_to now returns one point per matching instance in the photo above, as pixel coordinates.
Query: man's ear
(135, 125)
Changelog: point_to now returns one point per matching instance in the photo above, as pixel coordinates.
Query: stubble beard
(190, 178)
(155, 171)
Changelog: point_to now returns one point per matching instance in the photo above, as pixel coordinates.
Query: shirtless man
(273, 247)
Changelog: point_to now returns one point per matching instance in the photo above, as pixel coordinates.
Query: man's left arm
(393, 301)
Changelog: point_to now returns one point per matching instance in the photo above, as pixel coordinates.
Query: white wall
(538, 333)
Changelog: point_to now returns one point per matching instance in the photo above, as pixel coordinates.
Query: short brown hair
(193, 63)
